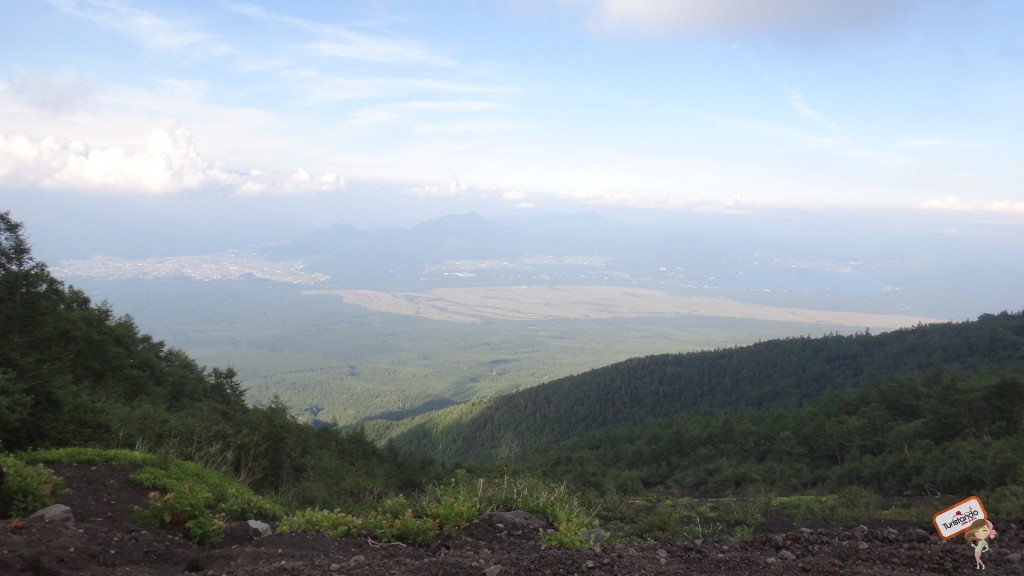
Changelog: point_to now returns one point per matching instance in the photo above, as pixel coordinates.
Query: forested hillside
(74, 373)
(773, 374)
(916, 436)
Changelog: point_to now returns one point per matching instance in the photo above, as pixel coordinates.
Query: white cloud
(168, 163)
(454, 187)
(515, 195)
(1016, 207)
(950, 202)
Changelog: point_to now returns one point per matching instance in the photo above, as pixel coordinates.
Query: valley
(357, 355)
(350, 325)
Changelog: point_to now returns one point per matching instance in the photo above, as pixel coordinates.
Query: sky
(667, 104)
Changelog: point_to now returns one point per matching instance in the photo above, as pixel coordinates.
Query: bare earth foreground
(102, 539)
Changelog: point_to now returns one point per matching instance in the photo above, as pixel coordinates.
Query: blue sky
(724, 105)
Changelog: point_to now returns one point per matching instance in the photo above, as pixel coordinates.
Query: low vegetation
(198, 501)
(26, 488)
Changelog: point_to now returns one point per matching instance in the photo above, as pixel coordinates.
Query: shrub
(569, 534)
(806, 508)
(394, 521)
(856, 504)
(453, 505)
(1006, 502)
(742, 532)
(453, 512)
(234, 500)
(26, 488)
(186, 510)
(335, 523)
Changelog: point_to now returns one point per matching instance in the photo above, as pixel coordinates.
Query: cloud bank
(168, 163)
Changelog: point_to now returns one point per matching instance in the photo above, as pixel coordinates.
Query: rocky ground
(100, 538)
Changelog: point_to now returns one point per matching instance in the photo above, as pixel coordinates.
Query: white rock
(262, 527)
(55, 513)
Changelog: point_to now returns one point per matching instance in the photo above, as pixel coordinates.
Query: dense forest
(913, 436)
(765, 376)
(73, 373)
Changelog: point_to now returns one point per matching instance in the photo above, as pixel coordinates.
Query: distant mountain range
(935, 263)
(864, 263)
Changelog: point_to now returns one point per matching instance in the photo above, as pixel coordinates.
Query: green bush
(568, 533)
(658, 519)
(394, 521)
(186, 510)
(462, 499)
(453, 512)
(234, 500)
(1005, 502)
(856, 504)
(851, 504)
(26, 488)
(334, 523)
(454, 504)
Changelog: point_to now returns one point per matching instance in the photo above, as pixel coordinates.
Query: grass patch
(452, 505)
(223, 494)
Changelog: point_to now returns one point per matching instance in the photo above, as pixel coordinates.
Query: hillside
(772, 374)
(73, 373)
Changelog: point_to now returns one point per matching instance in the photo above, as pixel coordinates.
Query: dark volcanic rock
(103, 540)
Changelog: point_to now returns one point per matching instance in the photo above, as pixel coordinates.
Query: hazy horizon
(546, 105)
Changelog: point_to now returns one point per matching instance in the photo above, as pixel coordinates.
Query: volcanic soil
(102, 539)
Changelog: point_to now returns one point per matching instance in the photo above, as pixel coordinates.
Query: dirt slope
(103, 540)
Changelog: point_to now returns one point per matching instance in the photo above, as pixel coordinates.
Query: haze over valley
(352, 323)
